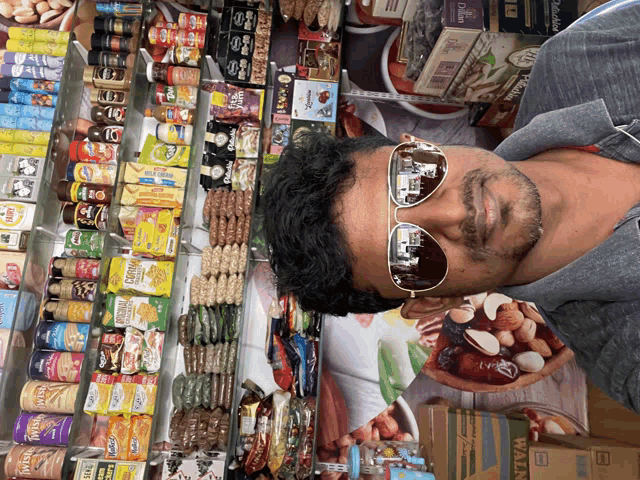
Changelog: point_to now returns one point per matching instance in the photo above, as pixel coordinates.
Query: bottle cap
(61, 190)
(93, 95)
(96, 114)
(71, 166)
(96, 41)
(69, 213)
(73, 150)
(93, 133)
(87, 75)
(99, 24)
(5, 83)
(4, 97)
(93, 57)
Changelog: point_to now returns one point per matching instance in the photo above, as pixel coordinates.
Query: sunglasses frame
(415, 144)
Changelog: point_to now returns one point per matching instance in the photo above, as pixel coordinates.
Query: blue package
(14, 110)
(62, 336)
(302, 350)
(26, 313)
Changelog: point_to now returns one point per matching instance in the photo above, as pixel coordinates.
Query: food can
(48, 397)
(66, 311)
(84, 243)
(29, 461)
(62, 336)
(84, 268)
(55, 366)
(42, 429)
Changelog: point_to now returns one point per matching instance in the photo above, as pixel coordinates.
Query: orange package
(139, 436)
(117, 438)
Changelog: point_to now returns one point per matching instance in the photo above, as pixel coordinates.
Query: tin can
(84, 243)
(62, 336)
(75, 268)
(66, 311)
(28, 461)
(48, 397)
(42, 429)
(55, 366)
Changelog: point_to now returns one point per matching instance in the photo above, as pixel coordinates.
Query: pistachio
(462, 314)
(526, 332)
(484, 342)
(529, 361)
(505, 337)
(492, 302)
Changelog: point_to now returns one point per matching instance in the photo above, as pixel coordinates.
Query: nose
(442, 215)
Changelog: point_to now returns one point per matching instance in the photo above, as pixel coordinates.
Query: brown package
(240, 229)
(222, 230)
(239, 203)
(213, 231)
(256, 459)
(247, 229)
(217, 201)
(35, 462)
(222, 208)
(48, 397)
(231, 230)
(231, 203)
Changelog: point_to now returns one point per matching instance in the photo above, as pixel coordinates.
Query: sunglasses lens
(416, 261)
(415, 171)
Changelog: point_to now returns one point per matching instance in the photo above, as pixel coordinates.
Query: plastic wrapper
(206, 391)
(226, 259)
(215, 390)
(221, 291)
(144, 401)
(222, 230)
(290, 460)
(311, 358)
(239, 207)
(228, 392)
(132, 353)
(117, 438)
(197, 326)
(176, 429)
(234, 258)
(256, 459)
(307, 427)
(213, 231)
(110, 356)
(239, 289)
(234, 329)
(187, 352)
(182, 330)
(124, 392)
(223, 431)
(190, 437)
(215, 260)
(189, 392)
(201, 354)
(247, 418)
(248, 200)
(213, 322)
(279, 422)
(217, 358)
(194, 291)
(293, 355)
(302, 349)
(231, 289)
(422, 34)
(198, 390)
(233, 357)
(100, 393)
(208, 359)
(217, 202)
(239, 229)
(214, 427)
(152, 351)
(247, 229)
(177, 391)
(139, 437)
(206, 261)
(298, 9)
(222, 209)
(323, 13)
(203, 440)
(231, 229)
(206, 210)
(281, 364)
(231, 204)
(224, 379)
(224, 357)
(231, 104)
(212, 292)
(203, 317)
(191, 323)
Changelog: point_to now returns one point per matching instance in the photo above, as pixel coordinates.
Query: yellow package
(124, 392)
(152, 196)
(145, 399)
(155, 152)
(162, 233)
(24, 136)
(23, 149)
(147, 277)
(139, 173)
(100, 393)
(143, 236)
(139, 436)
(127, 217)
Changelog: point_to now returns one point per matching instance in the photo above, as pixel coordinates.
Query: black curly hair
(308, 250)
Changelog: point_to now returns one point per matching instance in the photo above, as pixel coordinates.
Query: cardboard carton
(556, 461)
(610, 460)
(473, 445)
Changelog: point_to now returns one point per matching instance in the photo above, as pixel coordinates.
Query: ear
(420, 307)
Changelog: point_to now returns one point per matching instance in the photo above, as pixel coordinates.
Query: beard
(528, 206)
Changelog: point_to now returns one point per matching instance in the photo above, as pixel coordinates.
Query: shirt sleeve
(598, 58)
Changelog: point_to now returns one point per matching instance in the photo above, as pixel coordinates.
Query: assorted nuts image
(494, 339)
(29, 12)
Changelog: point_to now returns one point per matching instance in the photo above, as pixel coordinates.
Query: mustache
(468, 226)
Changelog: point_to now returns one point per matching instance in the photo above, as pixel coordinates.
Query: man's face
(486, 216)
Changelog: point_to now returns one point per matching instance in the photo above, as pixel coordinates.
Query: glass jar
(387, 460)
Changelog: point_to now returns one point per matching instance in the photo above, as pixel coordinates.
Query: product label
(83, 243)
(12, 215)
(56, 366)
(115, 114)
(62, 336)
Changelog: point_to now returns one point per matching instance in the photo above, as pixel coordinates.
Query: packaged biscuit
(124, 392)
(146, 391)
(110, 353)
(156, 232)
(155, 152)
(132, 354)
(100, 393)
(28, 461)
(117, 438)
(152, 351)
(48, 397)
(146, 277)
(152, 196)
(139, 173)
(93, 468)
(139, 436)
(66, 311)
(127, 217)
(143, 313)
(146, 222)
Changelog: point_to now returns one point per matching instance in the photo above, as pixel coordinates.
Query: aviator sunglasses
(417, 262)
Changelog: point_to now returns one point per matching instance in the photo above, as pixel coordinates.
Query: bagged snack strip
(177, 391)
(214, 427)
(256, 459)
(132, 353)
(189, 392)
(289, 462)
(279, 422)
(307, 428)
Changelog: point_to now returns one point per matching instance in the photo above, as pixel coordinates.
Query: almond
(49, 15)
(505, 337)
(548, 336)
(530, 311)
(526, 332)
(508, 306)
(508, 320)
(26, 18)
(540, 346)
(42, 7)
(24, 12)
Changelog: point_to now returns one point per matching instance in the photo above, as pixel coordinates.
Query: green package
(84, 243)
(155, 152)
(143, 313)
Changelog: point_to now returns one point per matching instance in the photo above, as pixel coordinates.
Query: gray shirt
(585, 83)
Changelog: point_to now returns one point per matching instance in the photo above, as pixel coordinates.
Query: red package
(257, 456)
(282, 373)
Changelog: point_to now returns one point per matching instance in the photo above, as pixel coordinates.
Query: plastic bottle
(113, 43)
(93, 152)
(106, 97)
(17, 215)
(98, 58)
(91, 173)
(109, 115)
(106, 134)
(107, 77)
(86, 216)
(116, 26)
(84, 192)
(185, 56)
(174, 134)
(173, 75)
(172, 114)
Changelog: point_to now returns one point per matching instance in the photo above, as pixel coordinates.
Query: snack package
(307, 427)
(231, 104)
(132, 353)
(152, 196)
(100, 393)
(99, 431)
(176, 429)
(248, 141)
(243, 175)
(281, 365)
(295, 361)
(92, 468)
(144, 400)
(143, 313)
(289, 462)
(189, 392)
(302, 350)
(256, 459)
(117, 438)
(279, 422)
(247, 418)
(311, 384)
(139, 173)
(146, 277)
(155, 152)
(213, 428)
(110, 353)
(139, 436)
(124, 392)
(127, 217)
(152, 351)
(177, 390)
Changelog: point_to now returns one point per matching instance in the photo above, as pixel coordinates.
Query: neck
(583, 196)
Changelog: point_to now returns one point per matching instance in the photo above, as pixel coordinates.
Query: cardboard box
(493, 115)
(473, 445)
(532, 17)
(610, 460)
(556, 461)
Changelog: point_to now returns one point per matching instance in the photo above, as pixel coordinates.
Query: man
(551, 216)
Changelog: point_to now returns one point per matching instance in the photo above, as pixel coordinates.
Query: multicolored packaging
(55, 366)
(143, 313)
(100, 392)
(62, 336)
(42, 429)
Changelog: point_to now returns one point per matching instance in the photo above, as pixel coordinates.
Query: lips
(487, 213)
